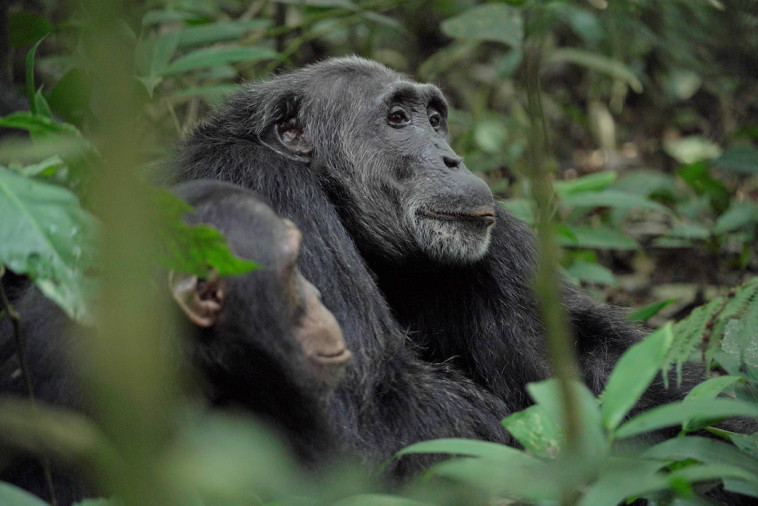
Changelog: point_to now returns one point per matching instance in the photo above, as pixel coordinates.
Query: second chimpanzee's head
(258, 331)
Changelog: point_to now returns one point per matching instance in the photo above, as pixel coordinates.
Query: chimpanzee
(260, 342)
(357, 156)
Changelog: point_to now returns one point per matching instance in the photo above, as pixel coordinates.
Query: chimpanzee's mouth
(331, 358)
(485, 217)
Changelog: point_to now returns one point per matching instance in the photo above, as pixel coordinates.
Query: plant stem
(21, 353)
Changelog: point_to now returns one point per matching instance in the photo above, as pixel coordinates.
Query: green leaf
(741, 159)
(521, 475)
(621, 479)
(647, 312)
(591, 273)
(709, 451)
(632, 374)
(588, 183)
(610, 198)
(30, 89)
(194, 249)
(597, 237)
(742, 487)
(492, 22)
(11, 495)
(455, 446)
(598, 63)
(48, 236)
(212, 56)
(646, 182)
(25, 28)
(710, 388)
(676, 413)
(547, 394)
(36, 125)
(536, 431)
(490, 134)
(378, 500)
(691, 149)
(739, 215)
(524, 209)
(202, 35)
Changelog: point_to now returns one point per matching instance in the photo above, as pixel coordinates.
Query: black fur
(249, 361)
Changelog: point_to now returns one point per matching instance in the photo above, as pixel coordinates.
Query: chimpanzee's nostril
(452, 163)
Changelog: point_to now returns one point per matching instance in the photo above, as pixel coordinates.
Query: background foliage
(651, 111)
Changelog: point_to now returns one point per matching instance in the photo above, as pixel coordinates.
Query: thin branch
(15, 318)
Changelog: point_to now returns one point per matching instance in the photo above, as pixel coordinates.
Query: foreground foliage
(187, 54)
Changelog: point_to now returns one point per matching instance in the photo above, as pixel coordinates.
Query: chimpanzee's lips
(486, 216)
(337, 357)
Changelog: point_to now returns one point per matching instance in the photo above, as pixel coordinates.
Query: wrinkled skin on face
(399, 185)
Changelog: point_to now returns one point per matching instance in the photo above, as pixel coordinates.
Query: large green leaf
(219, 32)
(742, 159)
(548, 395)
(633, 373)
(598, 63)
(611, 198)
(11, 495)
(710, 451)
(676, 413)
(647, 312)
(537, 432)
(213, 56)
(194, 249)
(47, 235)
(591, 272)
(454, 446)
(494, 22)
(520, 475)
(596, 237)
(589, 183)
(623, 478)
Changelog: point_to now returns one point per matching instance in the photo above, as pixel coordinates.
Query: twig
(21, 353)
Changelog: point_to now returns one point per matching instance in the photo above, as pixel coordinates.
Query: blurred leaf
(588, 183)
(194, 249)
(690, 231)
(621, 479)
(524, 209)
(45, 168)
(681, 84)
(48, 236)
(321, 3)
(25, 28)
(156, 17)
(11, 495)
(378, 500)
(30, 89)
(214, 92)
(697, 176)
(446, 58)
(536, 431)
(610, 198)
(742, 487)
(741, 338)
(521, 475)
(710, 451)
(493, 22)
(691, 149)
(598, 63)
(211, 56)
(747, 443)
(37, 126)
(592, 437)
(598, 237)
(676, 413)
(632, 374)
(741, 159)
(708, 389)
(490, 134)
(70, 96)
(221, 31)
(645, 182)
(468, 447)
(590, 272)
(739, 215)
(647, 312)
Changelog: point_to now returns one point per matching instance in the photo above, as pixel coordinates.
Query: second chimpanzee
(260, 342)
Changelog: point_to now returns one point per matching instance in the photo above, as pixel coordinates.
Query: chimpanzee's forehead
(402, 90)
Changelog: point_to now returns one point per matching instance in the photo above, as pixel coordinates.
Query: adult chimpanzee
(261, 342)
(357, 156)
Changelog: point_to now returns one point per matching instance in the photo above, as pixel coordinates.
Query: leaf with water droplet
(34, 213)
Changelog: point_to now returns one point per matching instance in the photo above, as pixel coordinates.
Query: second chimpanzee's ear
(200, 299)
(286, 135)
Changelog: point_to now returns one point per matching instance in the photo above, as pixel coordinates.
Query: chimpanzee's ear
(200, 299)
(285, 135)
